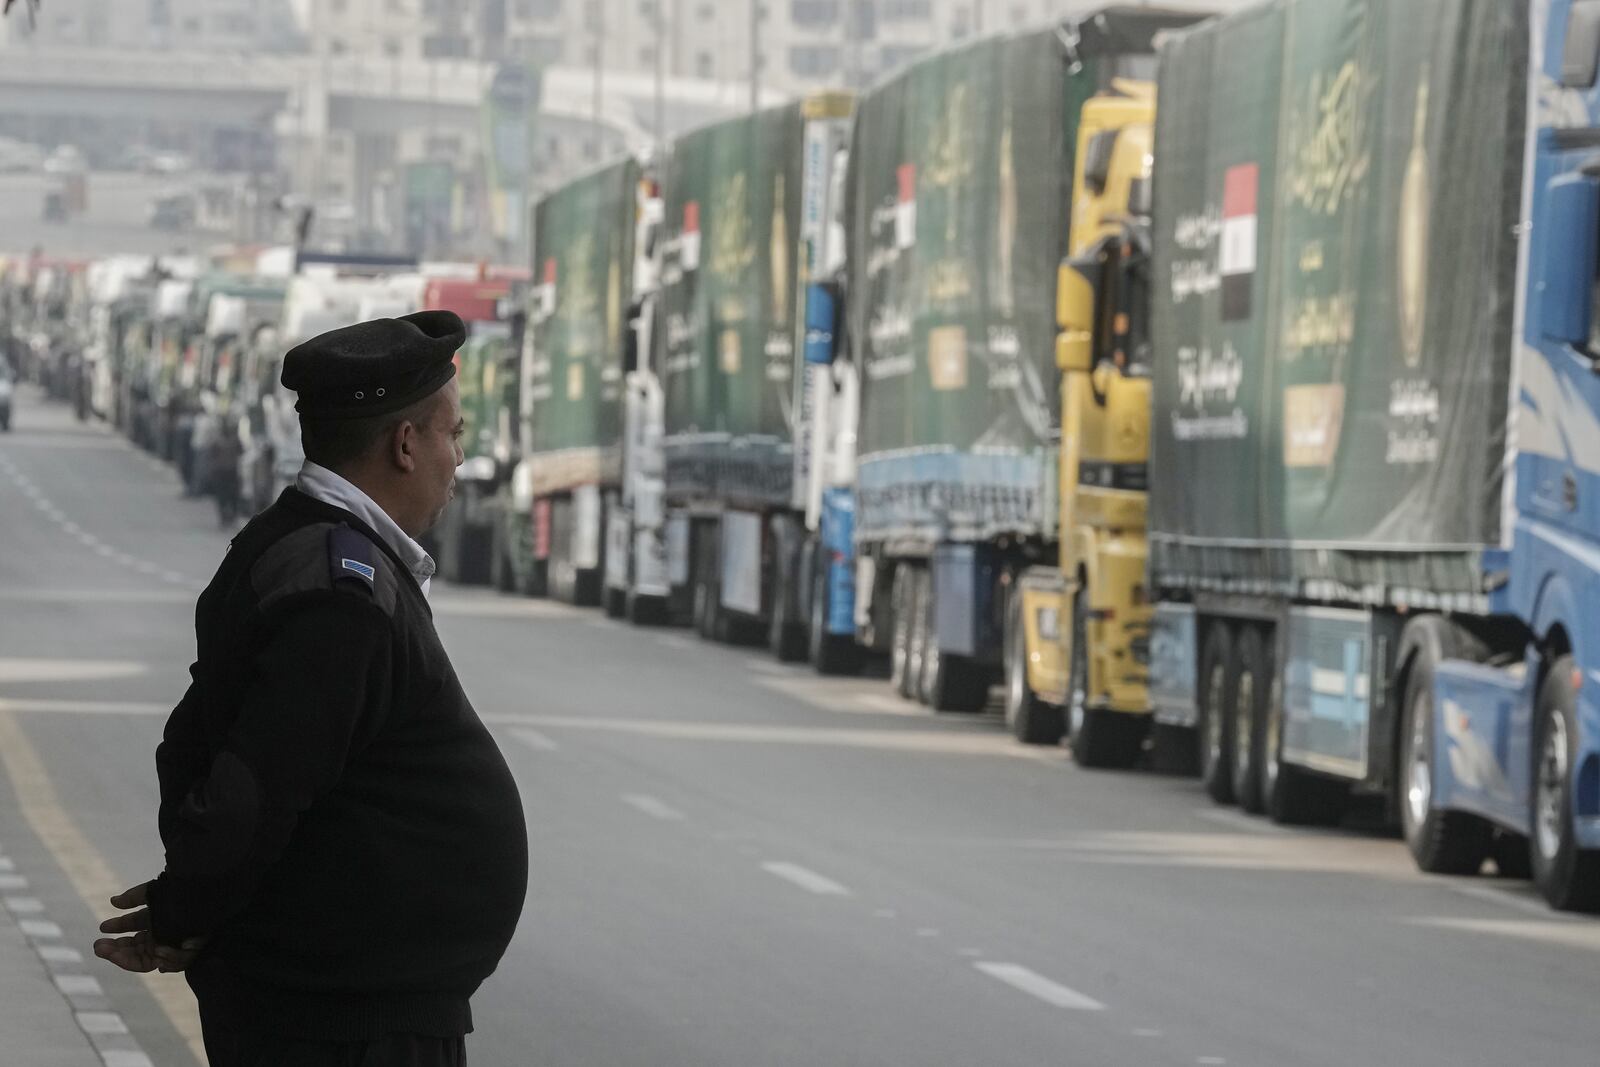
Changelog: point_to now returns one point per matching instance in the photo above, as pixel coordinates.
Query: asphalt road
(737, 863)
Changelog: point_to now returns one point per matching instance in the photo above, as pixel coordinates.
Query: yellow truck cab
(1079, 662)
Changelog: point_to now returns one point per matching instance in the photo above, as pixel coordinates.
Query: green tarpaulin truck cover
(726, 330)
(583, 240)
(1337, 194)
(958, 216)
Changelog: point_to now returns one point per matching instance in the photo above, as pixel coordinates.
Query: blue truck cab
(1516, 740)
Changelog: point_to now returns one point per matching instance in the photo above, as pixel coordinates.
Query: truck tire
(1213, 696)
(1568, 877)
(902, 602)
(614, 602)
(1442, 842)
(785, 639)
(1032, 721)
(1252, 693)
(829, 653)
(645, 610)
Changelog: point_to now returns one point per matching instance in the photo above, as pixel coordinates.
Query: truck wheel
(901, 604)
(1214, 695)
(829, 653)
(1568, 877)
(785, 639)
(614, 602)
(1442, 842)
(1032, 721)
(1252, 693)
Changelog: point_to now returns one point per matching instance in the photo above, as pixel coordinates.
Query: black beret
(374, 368)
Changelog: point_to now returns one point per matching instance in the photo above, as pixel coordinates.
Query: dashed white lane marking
(1037, 985)
(13, 881)
(600, 623)
(1240, 821)
(805, 878)
(125, 1058)
(24, 905)
(535, 740)
(927, 931)
(39, 928)
(60, 954)
(101, 1022)
(761, 666)
(7, 864)
(652, 807)
(1213, 1061)
(78, 985)
(885, 913)
(1145, 1031)
(972, 953)
(674, 641)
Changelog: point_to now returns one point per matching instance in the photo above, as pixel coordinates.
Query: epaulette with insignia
(351, 556)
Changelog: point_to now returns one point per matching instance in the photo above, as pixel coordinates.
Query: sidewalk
(36, 1018)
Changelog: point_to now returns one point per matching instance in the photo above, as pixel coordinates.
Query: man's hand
(139, 952)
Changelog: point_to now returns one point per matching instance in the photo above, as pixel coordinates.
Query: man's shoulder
(324, 556)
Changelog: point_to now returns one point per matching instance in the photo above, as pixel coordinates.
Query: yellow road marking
(88, 871)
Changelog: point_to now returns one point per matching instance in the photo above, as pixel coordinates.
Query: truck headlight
(1048, 621)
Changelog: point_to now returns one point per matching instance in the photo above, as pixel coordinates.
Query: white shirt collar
(320, 483)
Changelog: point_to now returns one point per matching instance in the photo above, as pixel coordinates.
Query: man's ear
(403, 446)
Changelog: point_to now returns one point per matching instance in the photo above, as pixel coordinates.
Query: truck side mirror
(1077, 297)
(1580, 59)
(1569, 258)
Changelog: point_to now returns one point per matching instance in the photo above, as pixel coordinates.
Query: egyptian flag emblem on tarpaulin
(1237, 259)
(905, 208)
(689, 246)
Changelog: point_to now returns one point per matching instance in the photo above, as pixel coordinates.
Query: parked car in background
(66, 159)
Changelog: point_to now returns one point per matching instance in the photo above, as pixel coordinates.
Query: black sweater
(339, 824)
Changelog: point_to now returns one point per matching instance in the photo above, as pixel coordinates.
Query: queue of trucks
(1216, 395)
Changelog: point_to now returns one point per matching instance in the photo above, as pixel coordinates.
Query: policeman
(346, 853)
